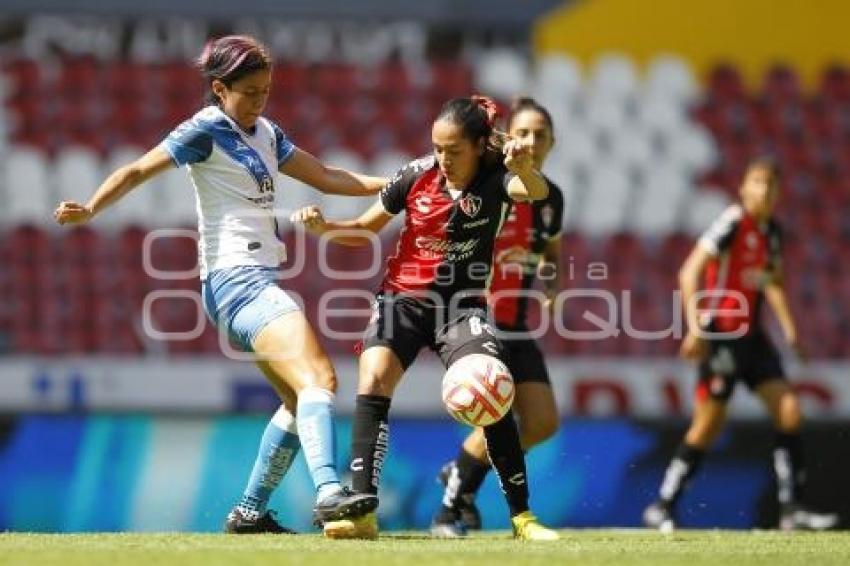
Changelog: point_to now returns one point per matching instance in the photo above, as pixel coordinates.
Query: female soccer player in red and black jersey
(530, 240)
(433, 293)
(738, 258)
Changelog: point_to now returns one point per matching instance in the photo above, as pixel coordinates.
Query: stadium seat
(605, 203)
(658, 206)
(669, 78)
(501, 73)
(613, 76)
(77, 172)
(27, 185)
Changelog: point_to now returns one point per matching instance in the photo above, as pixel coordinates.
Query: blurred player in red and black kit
(433, 293)
(739, 259)
(529, 240)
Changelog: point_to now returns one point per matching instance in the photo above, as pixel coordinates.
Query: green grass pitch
(585, 548)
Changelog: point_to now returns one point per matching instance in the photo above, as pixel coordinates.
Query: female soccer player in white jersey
(231, 152)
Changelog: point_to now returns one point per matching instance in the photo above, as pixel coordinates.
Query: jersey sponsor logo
(453, 251)
(470, 205)
(477, 223)
(357, 465)
(752, 240)
(423, 204)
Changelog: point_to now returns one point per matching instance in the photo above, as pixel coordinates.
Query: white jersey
(233, 172)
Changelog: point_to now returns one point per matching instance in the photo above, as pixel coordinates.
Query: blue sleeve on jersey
(285, 148)
(188, 143)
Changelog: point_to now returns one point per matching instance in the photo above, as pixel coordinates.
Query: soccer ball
(478, 390)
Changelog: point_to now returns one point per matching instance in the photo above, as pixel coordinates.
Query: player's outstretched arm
(344, 232)
(528, 184)
(119, 183)
(330, 180)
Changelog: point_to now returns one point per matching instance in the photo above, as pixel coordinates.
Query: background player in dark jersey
(529, 238)
(433, 293)
(739, 259)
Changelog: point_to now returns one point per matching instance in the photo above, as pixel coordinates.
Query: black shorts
(405, 325)
(524, 357)
(751, 359)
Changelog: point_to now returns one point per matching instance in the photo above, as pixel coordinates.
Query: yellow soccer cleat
(527, 527)
(363, 527)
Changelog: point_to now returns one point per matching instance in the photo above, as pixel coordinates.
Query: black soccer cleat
(468, 513)
(238, 524)
(447, 524)
(659, 516)
(344, 504)
(798, 518)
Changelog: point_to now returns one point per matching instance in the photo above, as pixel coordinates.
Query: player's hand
(693, 348)
(310, 216)
(70, 212)
(518, 158)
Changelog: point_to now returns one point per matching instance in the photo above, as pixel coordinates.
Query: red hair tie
(489, 106)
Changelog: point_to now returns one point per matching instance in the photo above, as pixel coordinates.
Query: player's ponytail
(477, 116)
(228, 59)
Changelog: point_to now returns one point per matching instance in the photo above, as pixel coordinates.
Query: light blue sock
(316, 429)
(278, 448)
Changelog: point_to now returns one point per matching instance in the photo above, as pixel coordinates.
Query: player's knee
(374, 383)
(324, 376)
(538, 429)
(790, 417)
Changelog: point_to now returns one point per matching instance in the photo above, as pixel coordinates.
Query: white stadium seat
(670, 77)
(77, 172)
(605, 202)
(631, 148)
(657, 206)
(27, 186)
(693, 148)
(603, 115)
(557, 79)
(660, 115)
(501, 73)
(703, 208)
(613, 76)
(142, 205)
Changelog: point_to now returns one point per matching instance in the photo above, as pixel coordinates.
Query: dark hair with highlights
(228, 59)
(476, 115)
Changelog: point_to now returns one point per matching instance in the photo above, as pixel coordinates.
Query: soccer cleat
(527, 527)
(469, 514)
(798, 518)
(344, 504)
(659, 516)
(447, 524)
(238, 524)
(363, 527)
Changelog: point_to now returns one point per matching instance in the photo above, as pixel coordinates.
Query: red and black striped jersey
(446, 244)
(518, 252)
(747, 255)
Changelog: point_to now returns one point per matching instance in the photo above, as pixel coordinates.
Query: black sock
(790, 467)
(370, 440)
(505, 451)
(466, 475)
(472, 472)
(681, 469)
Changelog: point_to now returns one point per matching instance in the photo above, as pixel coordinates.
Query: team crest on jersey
(470, 205)
(547, 214)
(752, 241)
